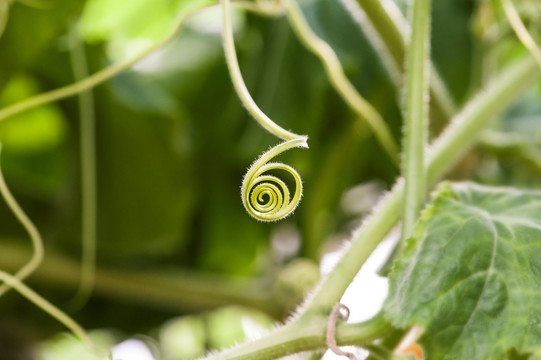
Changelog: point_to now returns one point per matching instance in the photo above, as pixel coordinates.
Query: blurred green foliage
(173, 141)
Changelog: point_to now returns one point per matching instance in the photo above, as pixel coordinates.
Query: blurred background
(181, 267)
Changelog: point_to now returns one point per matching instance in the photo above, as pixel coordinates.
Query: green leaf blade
(471, 274)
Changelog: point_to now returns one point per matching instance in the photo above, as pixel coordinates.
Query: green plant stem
(392, 28)
(238, 82)
(303, 336)
(340, 81)
(387, 30)
(46, 306)
(115, 69)
(520, 30)
(4, 14)
(450, 146)
(88, 172)
(416, 115)
(35, 237)
(165, 289)
(459, 136)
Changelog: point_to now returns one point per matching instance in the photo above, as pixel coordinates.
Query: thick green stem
(416, 114)
(339, 80)
(303, 336)
(459, 136)
(390, 25)
(387, 29)
(451, 145)
(447, 149)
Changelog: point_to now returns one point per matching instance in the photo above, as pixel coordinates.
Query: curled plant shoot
(265, 197)
(331, 340)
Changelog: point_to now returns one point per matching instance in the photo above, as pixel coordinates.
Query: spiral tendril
(267, 197)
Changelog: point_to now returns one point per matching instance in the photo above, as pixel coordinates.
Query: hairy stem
(458, 137)
(416, 114)
(256, 186)
(35, 237)
(387, 30)
(238, 82)
(88, 172)
(265, 197)
(298, 337)
(339, 80)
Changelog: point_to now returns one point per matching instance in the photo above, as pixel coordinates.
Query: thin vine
(520, 30)
(4, 14)
(15, 281)
(387, 30)
(265, 197)
(35, 237)
(340, 81)
(87, 134)
(49, 308)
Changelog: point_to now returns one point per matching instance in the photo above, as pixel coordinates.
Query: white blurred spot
(210, 20)
(132, 350)
(358, 352)
(252, 329)
(361, 198)
(286, 242)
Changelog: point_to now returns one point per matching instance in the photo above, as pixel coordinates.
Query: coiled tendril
(266, 197)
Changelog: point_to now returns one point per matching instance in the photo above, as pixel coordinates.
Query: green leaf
(471, 274)
(131, 27)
